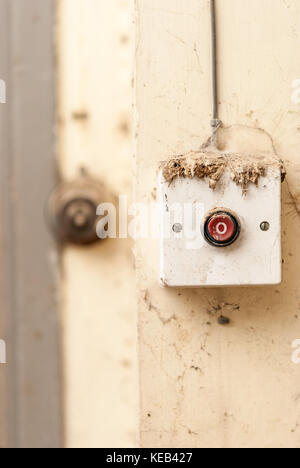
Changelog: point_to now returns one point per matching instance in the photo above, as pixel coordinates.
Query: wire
(215, 123)
(214, 58)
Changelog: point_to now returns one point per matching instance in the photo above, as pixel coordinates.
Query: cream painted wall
(204, 385)
(95, 56)
(201, 384)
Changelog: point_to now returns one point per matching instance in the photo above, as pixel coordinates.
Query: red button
(221, 227)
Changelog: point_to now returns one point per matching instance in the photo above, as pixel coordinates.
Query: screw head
(265, 226)
(78, 220)
(177, 228)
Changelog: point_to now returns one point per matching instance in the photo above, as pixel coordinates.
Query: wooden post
(99, 290)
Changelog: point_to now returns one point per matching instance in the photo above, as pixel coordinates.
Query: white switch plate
(254, 259)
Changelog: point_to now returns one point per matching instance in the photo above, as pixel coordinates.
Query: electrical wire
(216, 122)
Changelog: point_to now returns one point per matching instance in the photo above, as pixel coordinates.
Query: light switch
(220, 237)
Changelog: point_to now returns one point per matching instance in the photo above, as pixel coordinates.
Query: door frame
(30, 382)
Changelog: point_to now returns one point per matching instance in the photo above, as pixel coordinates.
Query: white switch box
(187, 257)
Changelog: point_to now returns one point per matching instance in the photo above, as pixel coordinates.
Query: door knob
(72, 210)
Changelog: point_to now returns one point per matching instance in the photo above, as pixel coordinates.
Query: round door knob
(72, 210)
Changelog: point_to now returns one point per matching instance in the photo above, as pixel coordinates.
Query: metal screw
(265, 226)
(177, 228)
(80, 220)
